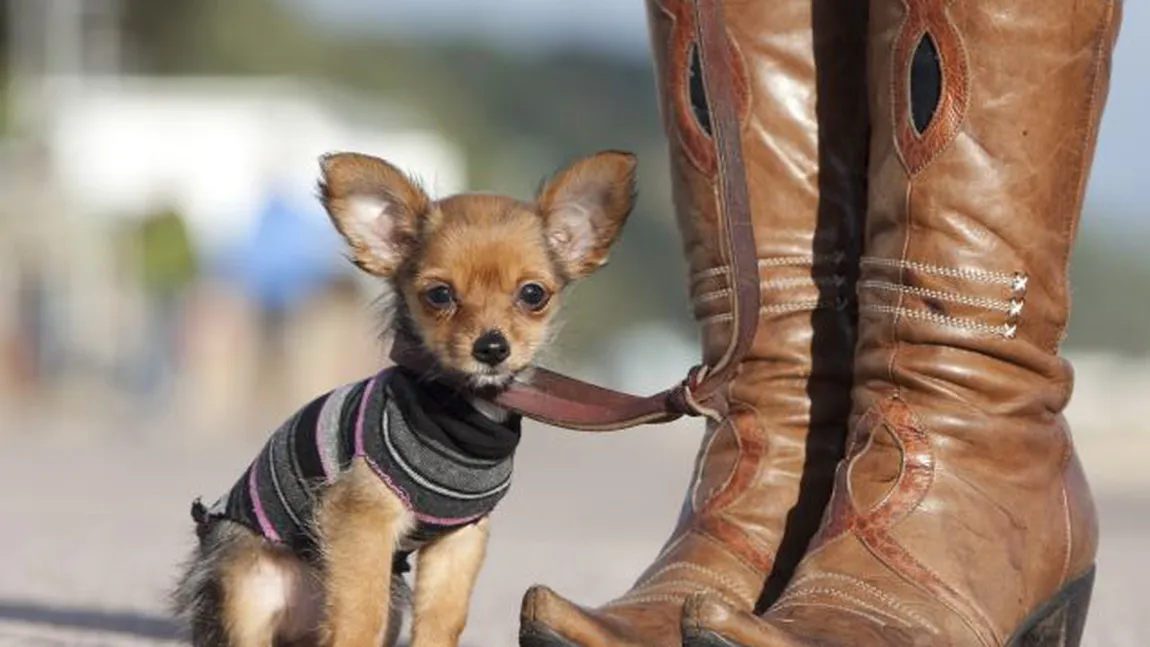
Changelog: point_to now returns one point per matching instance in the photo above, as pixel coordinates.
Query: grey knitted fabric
(444, 488)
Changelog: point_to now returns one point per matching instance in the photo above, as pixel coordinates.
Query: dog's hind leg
(240, 591)
(445, 577)
(360, 521)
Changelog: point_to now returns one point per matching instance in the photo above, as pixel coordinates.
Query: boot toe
(548, 619)
(710, 622)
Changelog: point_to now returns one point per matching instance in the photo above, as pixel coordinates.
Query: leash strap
(564, 401)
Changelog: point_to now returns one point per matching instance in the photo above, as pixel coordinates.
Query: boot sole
(1059, 622)
(534, 634)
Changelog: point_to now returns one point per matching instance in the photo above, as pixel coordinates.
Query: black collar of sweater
(437, 411)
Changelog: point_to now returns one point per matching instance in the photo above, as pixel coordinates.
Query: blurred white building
(214, 147)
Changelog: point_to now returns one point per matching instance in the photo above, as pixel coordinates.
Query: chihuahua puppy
(310, 545)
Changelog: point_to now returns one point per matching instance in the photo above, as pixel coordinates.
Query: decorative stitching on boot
(700, 459)
(1006, 331)
(873, 528)
(1017, 281)
(782, 308)
(1014, 306)
(835, 607)
(794, 600)
(878, 593)
(836, 280)
(1011, 305)
(675, 599)
(833, 258)
(727, 582)
(685, 588)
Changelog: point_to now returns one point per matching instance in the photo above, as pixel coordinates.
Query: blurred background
(170, 288)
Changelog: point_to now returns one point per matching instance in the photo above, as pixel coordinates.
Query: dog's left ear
(585, 206)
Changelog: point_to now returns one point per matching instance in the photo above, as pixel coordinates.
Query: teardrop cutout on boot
(1061, 621)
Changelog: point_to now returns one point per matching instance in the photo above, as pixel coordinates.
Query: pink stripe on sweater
(406, 500)
(258, 506)
(359, 420)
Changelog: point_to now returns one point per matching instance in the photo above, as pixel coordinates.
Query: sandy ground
(94, 520)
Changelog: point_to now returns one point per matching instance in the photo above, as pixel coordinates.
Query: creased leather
(961, 507)
(764, 470)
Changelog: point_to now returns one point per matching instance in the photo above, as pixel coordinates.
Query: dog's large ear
(375, 206)
(585, 206)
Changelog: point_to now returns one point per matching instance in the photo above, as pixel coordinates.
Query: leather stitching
(878, 593)
(778, 308)
(914, 482)
(798, 260)
(754, 561)
(778, 284)
(1013, 306)
(1005, 331)
(684, 588)
(727, 582)
(1104, 44)
(676, 600)
(794, 601)
(703, 460)
(850, 610)
(977, 276)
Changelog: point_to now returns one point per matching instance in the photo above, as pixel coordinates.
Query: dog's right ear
(374, 206)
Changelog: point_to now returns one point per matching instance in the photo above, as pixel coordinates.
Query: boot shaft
(803, 114)
(985, 122)
(800, 72)
(985, 118)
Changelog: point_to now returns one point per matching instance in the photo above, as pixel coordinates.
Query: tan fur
(360, 521)
(446, 574)
(588, 203)
(268, 594)
(485, 248)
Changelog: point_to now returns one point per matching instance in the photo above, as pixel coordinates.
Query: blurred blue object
(291, 253)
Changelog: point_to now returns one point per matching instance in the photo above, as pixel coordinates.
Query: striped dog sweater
(449, 464)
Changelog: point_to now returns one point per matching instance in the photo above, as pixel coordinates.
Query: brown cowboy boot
(764, 474)
(961, 516)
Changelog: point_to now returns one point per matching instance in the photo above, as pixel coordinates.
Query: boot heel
(1061, 621)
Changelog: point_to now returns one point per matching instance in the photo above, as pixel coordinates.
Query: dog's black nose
(491, 348)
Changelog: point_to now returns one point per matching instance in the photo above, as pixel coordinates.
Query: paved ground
(92, 524)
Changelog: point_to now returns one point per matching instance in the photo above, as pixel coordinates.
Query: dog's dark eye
(533, 295)
(439, 296)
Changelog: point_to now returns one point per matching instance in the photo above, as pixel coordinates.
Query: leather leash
(564, 401)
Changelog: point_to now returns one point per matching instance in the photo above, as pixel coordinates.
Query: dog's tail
(197, 601)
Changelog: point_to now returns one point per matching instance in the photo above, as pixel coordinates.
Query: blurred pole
(105, 57)
(63, 53)
(55, 45)
(23, 29)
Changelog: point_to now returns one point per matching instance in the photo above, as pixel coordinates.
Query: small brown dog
(310, 545)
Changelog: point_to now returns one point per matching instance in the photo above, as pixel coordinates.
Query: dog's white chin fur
(481, 380)
(497, 379)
